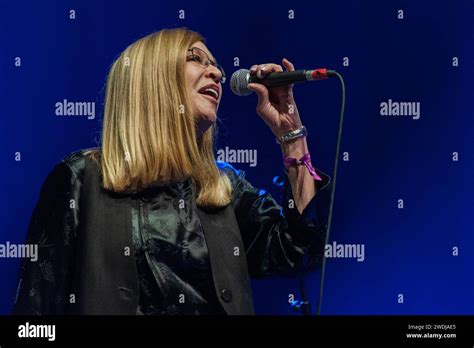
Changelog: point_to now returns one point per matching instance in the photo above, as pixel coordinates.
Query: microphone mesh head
(239, 82)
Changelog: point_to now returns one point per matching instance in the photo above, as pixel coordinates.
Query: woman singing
(150, 223)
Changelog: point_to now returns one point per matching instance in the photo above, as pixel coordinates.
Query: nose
(214, 73)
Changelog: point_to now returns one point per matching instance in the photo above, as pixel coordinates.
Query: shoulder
(240, 184)
(75, 162)
(235, 175)
(66, 176)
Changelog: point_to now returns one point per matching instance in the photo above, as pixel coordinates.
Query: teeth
(212, 91)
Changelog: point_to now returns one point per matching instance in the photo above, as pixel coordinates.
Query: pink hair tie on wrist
(305, 160)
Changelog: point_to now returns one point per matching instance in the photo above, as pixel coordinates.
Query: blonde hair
(149, 130)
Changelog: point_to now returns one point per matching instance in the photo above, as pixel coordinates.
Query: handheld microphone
(241, 78)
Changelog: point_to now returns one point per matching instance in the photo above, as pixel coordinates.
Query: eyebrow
(210, 57)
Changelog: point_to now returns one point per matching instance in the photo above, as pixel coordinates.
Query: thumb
(262, 93)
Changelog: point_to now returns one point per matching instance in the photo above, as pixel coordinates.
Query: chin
(204, 123)
(208, 115)
(212, 118)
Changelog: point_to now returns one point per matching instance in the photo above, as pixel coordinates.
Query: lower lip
(209, 97)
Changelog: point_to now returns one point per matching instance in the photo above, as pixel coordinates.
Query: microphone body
(241, 78)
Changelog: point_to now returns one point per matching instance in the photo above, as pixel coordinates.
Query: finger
(253, 69)
(288, 65)
(265, 69)
(262, 94)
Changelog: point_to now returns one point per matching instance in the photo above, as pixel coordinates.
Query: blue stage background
(408, 251)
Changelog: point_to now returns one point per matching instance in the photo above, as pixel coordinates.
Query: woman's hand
(276, 105)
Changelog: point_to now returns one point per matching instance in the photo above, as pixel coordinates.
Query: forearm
(302, 183)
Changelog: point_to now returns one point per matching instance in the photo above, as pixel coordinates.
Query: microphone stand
(305, 304)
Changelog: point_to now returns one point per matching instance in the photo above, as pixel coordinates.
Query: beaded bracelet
(297, 133)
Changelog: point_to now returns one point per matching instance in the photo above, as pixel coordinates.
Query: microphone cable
(339, 137)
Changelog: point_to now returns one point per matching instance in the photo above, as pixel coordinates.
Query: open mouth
(211, 91)
(211, 98)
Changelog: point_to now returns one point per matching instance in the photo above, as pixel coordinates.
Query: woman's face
(199, 78)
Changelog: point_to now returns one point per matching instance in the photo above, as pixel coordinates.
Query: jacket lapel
(106, 281)
(228, 260)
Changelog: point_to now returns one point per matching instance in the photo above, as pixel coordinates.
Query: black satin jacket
(173, 244)
(172, 257)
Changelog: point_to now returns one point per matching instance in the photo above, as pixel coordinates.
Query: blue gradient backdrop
(407, 251)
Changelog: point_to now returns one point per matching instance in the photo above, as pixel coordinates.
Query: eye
(194, 58)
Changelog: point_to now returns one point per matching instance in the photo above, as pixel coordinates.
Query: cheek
(192, 78)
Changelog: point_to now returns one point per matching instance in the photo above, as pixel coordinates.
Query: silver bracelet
(297, 133)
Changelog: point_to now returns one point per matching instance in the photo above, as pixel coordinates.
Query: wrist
(299, 164)
(290, 136)
(295, 148)
(282, 131)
